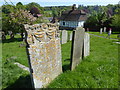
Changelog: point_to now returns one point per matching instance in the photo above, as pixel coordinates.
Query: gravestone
(77, 46)
(104, 29)
(100, 30)
(64, 36)
(44, 53)
(71, 36)
(86, 44)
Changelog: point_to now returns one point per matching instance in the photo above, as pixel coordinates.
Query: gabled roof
(73, 15)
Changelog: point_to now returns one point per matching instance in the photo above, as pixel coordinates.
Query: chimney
(74, 7)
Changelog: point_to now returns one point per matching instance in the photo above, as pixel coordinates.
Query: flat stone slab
(22, 66)
(117, 42)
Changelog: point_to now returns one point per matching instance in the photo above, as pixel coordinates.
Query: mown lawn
(99, 70)
(113, 35)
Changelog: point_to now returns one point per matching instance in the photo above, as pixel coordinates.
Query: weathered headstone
(86, 50)
(64, 36)
(44, 53)
(77, 46)
(71, 36)
(104, 29)
(100, 30)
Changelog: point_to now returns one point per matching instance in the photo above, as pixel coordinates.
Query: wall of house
(72, 24)
(81, 23)
(69, 23)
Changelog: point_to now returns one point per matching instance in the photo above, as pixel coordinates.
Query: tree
(97, 19)
(34, 11)
(19, 5)
(33, 4)
(116, 21)
(54, 12)
(21, 17)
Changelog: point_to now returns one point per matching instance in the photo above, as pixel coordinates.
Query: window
(63, 23)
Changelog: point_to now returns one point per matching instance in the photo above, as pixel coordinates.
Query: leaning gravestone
(44, 53)
(77, 46)
(71, 36)
(86, 50)
(64, 36)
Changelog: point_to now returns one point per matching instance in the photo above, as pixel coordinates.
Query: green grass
(12, 75)
(99, 70)
(113, 35)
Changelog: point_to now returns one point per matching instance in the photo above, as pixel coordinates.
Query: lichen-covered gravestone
(64, 36)
(86, 44)
(77, 46)
(44, 53)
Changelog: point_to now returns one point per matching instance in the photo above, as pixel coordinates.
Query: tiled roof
(73, 15)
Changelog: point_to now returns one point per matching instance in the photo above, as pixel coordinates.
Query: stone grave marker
(104, 29)
(64, 36)
(44, 53)
(86, 49)
(71, 36)
(77, 46)
(100, 30)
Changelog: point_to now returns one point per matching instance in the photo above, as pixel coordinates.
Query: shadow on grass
(22, 82)
(12, 40)
(66, 67)
(116, 33)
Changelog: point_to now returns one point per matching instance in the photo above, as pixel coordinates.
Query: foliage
(116, 18)
(97, 19)
(22, 17)
(7, 9)
(34, 11)
(33, 4)
(19, 5)
(116, 21)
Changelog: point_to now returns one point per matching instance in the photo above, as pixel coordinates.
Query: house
(72, 19)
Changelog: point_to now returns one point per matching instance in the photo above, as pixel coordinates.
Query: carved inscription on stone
(44, 52)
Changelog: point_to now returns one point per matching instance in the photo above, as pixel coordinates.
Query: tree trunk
(22, 35)
(3, 36)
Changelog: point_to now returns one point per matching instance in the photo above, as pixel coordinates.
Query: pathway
(103, 36)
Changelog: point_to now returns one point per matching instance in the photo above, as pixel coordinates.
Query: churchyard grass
(99, 70)
(12, 75)
(113, 35)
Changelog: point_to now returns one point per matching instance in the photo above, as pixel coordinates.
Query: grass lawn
(113, 35)
(99, 70)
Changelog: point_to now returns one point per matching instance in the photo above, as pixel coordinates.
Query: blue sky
(67, 2)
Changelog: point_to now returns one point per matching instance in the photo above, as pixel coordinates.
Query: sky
(64, 2)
